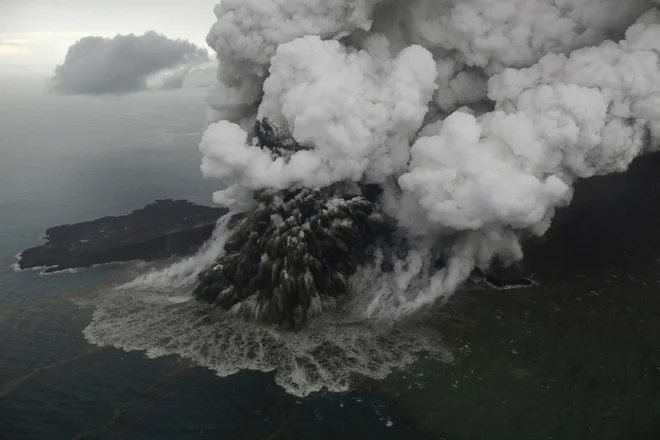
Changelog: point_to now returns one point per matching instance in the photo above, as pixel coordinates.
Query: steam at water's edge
(474, 117)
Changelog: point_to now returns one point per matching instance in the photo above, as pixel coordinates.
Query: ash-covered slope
(294, 248)
(157, 231)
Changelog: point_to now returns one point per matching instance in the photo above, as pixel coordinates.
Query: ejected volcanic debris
(295, 247)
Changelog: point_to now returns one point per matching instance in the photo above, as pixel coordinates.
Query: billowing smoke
(474, 117)
(127, 64)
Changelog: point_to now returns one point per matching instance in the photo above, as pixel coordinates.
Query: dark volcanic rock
(157, 231)
(297, 246)
(293, 249)
(501, 277)
(276, 139)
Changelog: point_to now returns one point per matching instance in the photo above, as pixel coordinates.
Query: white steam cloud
(128, 64)
(476, 116)
(184, 273)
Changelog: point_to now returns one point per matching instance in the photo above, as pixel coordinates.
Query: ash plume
(474, 118)
(127, 64)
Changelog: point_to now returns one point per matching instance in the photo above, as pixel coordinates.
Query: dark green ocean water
(576, 357)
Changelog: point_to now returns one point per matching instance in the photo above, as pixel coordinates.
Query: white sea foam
(42, 269)
(60, 272)
(511, 286)
(328, 353)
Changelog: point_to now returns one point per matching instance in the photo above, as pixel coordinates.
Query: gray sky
(35, 34)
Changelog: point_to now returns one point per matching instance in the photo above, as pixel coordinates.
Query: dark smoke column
(296, 247)
(474, 118)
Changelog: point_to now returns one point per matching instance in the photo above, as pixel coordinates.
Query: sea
(83, 356)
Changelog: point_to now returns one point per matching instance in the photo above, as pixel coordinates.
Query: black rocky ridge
(160, 230)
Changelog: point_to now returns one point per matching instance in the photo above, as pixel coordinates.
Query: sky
(35, 34)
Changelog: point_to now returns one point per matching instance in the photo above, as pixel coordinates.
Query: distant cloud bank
(128, 64)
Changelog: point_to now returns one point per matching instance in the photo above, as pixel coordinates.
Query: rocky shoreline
(160, 230)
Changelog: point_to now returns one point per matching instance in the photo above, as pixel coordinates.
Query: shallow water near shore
(576, 356)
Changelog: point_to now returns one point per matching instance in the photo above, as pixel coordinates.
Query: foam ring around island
(326, 354)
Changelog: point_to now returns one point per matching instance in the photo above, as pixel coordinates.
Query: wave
(329, 353)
